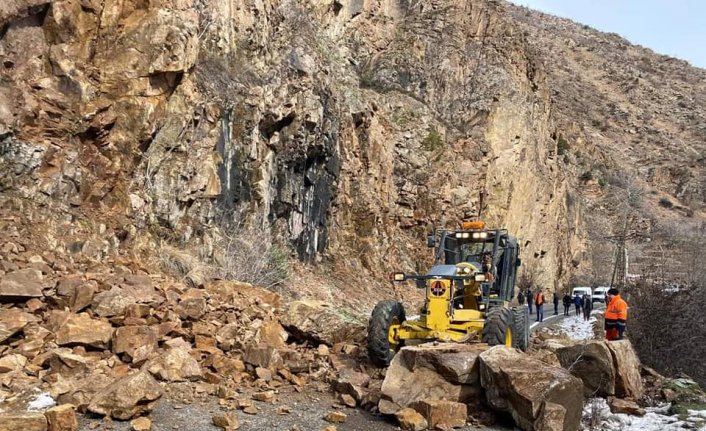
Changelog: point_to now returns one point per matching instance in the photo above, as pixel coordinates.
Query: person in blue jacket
(578, 303)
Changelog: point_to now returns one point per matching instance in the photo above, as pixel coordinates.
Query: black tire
(498, 322)
(520, 328)
(384, 314)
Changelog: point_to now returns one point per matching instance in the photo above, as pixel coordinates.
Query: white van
(599, 293)
(580, 291)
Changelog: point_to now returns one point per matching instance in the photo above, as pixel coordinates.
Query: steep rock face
(350, 128)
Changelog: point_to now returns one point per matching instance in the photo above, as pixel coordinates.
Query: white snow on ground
(41, 402)
(596, 413)
(598, 417)
(577, 328)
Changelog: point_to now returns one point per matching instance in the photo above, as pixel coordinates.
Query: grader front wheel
(382, 345)
(497, 330)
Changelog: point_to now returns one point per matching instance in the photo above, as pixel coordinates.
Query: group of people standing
(616, 313)
(583, 304)
(537, 299)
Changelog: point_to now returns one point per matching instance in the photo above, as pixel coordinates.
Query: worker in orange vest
(616, 315)
(539, 304)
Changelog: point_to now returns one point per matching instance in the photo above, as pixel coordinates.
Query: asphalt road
(552, 319)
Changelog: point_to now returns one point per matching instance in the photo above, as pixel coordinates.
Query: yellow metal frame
(443, 322)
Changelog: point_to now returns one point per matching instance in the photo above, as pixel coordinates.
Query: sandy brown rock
(24, 283)
(433, 372)
(410, 420)
(75, 293)
(262, 356)
(227, 422)
(84, 330)
(13, 362)
(628, 382)
(525, 387)
(176, 365)
(618, 405)
(141, 424)
(351, 382)
(12, 321)
(592, 362)
(23, 421)
(135, 341)
(129, 396)
(318, 321)
(442, 414)
(192, 304)
(62, 418)
(336, 417)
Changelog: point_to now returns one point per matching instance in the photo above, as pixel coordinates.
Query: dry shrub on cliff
(247, 252)
(242, 251)
(184, 265)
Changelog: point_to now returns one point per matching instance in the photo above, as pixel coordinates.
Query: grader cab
(467, 293)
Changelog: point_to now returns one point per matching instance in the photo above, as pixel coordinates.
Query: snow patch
(577, 328)
(598, 417)
(41, 402)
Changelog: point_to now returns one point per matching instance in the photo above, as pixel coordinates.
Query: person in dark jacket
(555, 299)
(567, 303)
(521, 298)
(530, 299)
(577, 304)
(587, 307)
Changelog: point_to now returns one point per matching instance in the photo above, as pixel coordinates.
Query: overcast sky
(673, 27)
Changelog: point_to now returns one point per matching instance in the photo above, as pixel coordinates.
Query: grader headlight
(480, 277)
(397, 276)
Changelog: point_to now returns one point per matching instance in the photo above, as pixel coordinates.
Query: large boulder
(84, 330)
(23, 284)
(176, 365)
(75, 293)
(137, 342)
(537, 395)
(592, 362)
(132, 395)
(628, 383)
(321, 323)
(113, 302)
(25, 421)
(447, 371)
(12, 321)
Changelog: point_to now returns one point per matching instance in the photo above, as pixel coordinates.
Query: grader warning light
(476, 224)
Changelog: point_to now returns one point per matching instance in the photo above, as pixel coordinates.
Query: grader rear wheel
(520, 327)
(497, 330)
(382, 345)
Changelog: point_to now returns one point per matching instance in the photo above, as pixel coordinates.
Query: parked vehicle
(599, 293)
(580, 291)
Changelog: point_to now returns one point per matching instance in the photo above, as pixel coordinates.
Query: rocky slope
(631, 131)
(218, 140)
(347, 129)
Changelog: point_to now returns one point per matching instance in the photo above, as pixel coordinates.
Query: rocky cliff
(344, 129)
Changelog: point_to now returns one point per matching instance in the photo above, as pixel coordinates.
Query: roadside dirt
(308, 410)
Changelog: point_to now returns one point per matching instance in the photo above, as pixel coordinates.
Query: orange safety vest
(616, 313)
(539, 298)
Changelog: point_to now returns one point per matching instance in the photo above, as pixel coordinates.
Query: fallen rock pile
(110, 338)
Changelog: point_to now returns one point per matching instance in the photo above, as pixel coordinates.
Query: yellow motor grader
(467, 294)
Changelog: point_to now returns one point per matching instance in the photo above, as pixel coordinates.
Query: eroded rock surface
(537, 395)
(446, 371)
